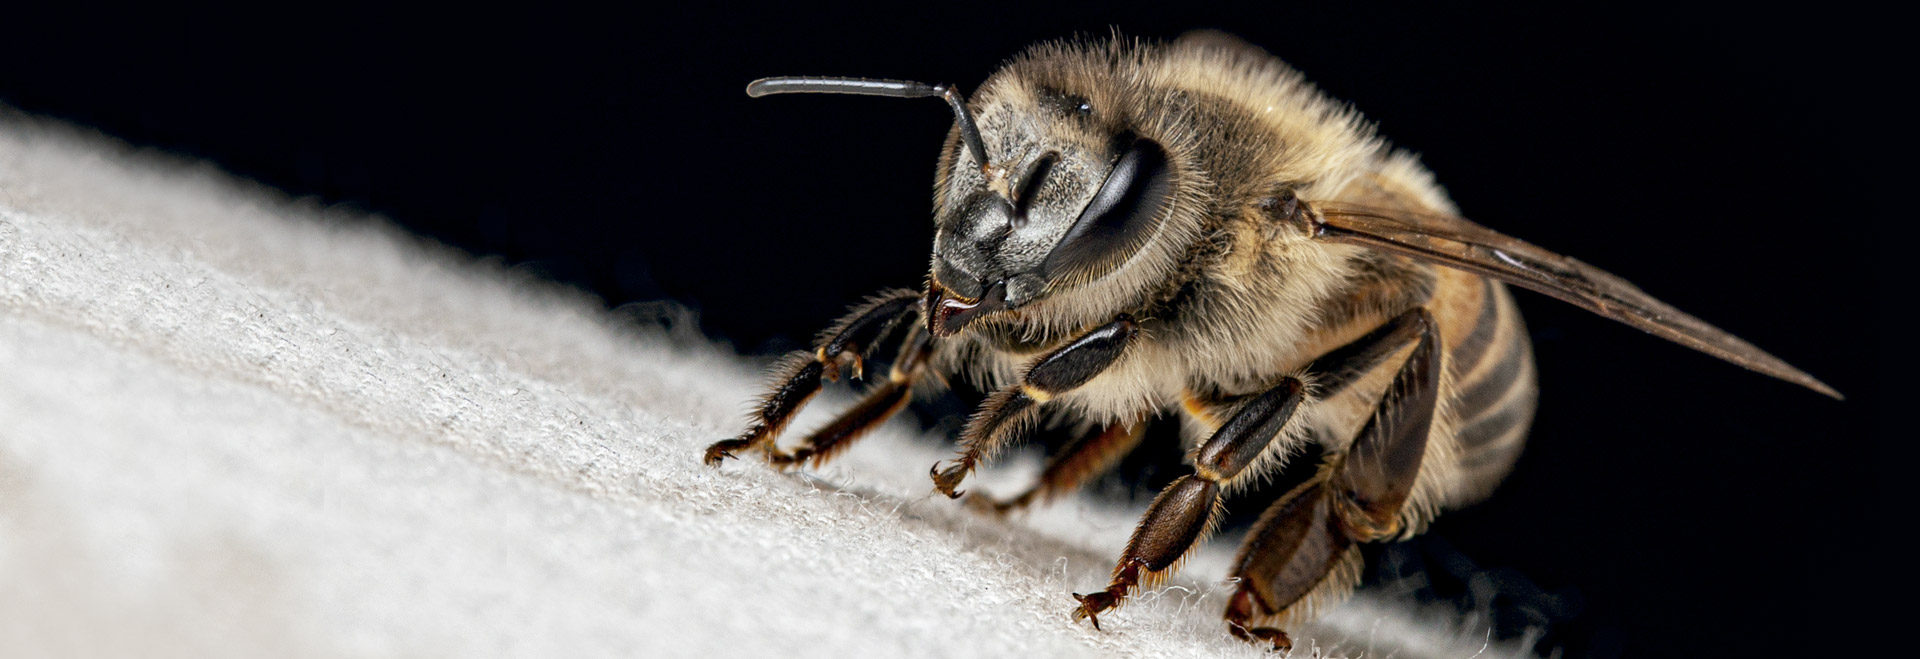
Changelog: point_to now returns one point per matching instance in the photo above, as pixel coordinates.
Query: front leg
(1008, 410)
(879, 405)
(852, 339)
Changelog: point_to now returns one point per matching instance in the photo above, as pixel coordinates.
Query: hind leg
(1302, 554)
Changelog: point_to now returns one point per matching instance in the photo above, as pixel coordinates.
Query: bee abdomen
(1493, 390)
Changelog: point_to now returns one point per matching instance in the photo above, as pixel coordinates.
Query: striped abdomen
(1491, 393)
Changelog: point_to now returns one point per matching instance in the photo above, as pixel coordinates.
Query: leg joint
(1335, 370)
(1240, 442)
(1076, 363)
(860, 331)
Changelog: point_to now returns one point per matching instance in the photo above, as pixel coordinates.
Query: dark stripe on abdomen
(1493, 401)
(1486, 325)
(1491, 383)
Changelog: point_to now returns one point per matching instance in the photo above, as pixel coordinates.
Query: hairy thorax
(1256, 308)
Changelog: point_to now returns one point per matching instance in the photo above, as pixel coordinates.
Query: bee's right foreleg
(850, 340)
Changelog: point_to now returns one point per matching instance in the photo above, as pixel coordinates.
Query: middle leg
(1302, 553)
(1185, 510)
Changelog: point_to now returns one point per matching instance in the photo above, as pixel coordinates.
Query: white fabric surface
(233, 424)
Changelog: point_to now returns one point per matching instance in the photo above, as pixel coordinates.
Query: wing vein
(1458, 243)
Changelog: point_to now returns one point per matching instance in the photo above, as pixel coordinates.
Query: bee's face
(1072, 193)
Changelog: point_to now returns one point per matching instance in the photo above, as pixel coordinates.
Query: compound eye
(1030, 186)
(1121, 216)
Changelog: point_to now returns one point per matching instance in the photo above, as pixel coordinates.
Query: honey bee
(1125, 230)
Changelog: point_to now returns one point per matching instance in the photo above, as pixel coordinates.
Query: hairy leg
(880, 404)
(1008, 410)
(1075, 464)
(1184, 512)
(1302, 554)
(850, 339)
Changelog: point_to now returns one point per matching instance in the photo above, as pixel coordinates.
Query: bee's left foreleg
(800, 375)
(1006, 410)
(880, 404)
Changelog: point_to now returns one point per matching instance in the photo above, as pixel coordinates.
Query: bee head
(1046, 193)
(1067, 195)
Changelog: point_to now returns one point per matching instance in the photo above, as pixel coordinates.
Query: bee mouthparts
(947, 313)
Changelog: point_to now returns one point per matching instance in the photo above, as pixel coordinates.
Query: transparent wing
(1458, 243)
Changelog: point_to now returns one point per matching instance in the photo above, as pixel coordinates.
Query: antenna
(876, 87)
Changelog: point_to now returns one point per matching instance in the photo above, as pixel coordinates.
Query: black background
(1722, 158)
